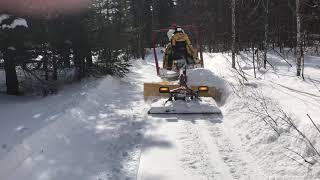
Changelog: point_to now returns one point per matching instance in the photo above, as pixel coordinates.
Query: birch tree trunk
(299, 48)
(254, 65)
(266, 31)
(233, 9)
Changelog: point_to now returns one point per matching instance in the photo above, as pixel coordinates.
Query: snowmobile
(176, 97)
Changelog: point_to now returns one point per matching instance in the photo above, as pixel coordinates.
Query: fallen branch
(305, 160)
(314, 123)
(298, 162)
(282, 57)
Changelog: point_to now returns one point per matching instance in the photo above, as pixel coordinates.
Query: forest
(101, 38)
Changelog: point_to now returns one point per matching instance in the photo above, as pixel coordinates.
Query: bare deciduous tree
(233, 7)
(299, 49)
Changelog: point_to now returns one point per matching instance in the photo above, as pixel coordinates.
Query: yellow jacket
(179, 37)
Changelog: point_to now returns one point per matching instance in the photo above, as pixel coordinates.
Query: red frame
(186, 27)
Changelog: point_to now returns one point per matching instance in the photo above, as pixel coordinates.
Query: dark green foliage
(62, 41)
(110, 62)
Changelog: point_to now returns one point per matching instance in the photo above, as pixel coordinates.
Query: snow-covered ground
(99, 129)
(283, 91)
(87, 131)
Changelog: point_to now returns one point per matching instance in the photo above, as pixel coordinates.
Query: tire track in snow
(195, 158)
(238, 168)
(236, 159)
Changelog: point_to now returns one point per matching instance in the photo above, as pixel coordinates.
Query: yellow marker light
(203, 88)
(164, 90)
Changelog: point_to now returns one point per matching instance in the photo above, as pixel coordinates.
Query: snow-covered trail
(195, 147)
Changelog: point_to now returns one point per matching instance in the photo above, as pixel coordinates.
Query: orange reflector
(203, 88)
(164, 90)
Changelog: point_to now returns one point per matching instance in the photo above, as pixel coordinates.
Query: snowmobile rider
(180, 47)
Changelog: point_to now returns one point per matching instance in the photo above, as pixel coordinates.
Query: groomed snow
(206, 77)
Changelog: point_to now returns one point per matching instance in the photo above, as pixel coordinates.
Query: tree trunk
(77, 63)
(83, 65)
(139, 44)
(89, 57)
(11, 74)
(65, 53)
(233, 7)
(299, 53)
(108, 59)
(45, 66)
(253, 61)
(266, 31)
(55, 68)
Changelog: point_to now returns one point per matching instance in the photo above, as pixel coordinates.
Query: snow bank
(274, 91)
(205, 77)
(89, 130)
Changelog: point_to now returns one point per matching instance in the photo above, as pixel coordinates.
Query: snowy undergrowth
(32, 83)
(284, 96)
(205, 77)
